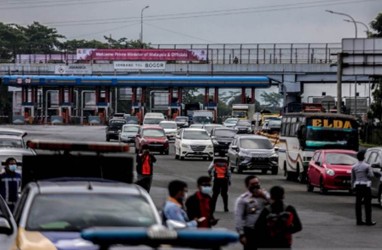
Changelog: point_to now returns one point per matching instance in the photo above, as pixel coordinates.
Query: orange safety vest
(220, 170)
(146, 169)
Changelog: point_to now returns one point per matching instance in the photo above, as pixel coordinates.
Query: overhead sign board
(138, 65)
(73, 69)
(142, 54)
(362, 56)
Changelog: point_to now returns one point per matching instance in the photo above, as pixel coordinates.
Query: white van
(153, 118)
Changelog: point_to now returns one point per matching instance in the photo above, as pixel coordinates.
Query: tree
(12, 41)
(272, 99)
(72, 45)
(124, 43)
(376, 25)
(42, 39)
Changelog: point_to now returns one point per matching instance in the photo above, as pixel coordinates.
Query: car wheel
(309, 186)
(107, 139)
(209, 158)
(323, 190)
(264, 171)
(380, 197)
(287, 174)
(275, 170)
(166, 152)
(181, 158)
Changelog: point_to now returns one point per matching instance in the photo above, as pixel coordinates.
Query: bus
(303, 133)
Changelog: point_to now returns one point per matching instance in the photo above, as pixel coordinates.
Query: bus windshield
(324, 133)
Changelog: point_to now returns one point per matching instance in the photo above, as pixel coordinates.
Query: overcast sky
(197, 21)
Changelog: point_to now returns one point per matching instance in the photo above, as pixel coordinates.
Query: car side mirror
(5, 226)
(234, 147)
(276, 149)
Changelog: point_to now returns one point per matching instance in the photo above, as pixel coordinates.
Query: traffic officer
(361, 175)
(247, 210)
(145, 163)
(221, 176)
(10, 182)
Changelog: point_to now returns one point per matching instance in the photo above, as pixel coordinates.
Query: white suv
(193, 142)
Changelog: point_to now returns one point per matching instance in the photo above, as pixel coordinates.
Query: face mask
(12, 168)
(206, 190)
(254, 188)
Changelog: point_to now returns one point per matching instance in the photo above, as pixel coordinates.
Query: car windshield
(131, 129)
(152, 120)
(11, 143)
(255, 143)
(117, 123)
(153, 133)
(225, 133)
(168, 125)
(181, 119)
(231, 121)
(209, 128)
(243, 123)
(202, 119)
(74, 212)
(195, 135)
(341, 159)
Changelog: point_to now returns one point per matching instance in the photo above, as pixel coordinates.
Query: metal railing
(266, 53)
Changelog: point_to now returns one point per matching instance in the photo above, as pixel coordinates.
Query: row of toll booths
(67, 105)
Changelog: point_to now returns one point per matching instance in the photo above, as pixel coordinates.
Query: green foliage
(376, 106)
(376, 25)
(272, 99)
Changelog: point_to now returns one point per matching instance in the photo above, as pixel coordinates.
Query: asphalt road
(328, 220)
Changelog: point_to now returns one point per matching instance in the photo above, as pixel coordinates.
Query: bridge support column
(133, 99)
(253, 98)
(243, 95)
(206, 94)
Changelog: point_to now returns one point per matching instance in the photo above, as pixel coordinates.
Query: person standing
(145, 163)
(174, 207)
(361, 175)
(247, 209)
(221, 176)
(10, 182)
(199, 204)
(277, 222)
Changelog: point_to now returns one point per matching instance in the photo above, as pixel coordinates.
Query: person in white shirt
(361, 175)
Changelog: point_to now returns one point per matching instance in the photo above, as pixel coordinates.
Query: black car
(252, 152)
(222, 138)
(114, 128)
(244, 127)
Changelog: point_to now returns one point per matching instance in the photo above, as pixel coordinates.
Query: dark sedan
(221, 138)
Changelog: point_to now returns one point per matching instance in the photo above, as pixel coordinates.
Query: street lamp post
(141, 35)
(339, 75)
(367, 28)
(349, 16)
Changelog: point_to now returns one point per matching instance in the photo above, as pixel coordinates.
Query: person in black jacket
(198, 205)
(145, 163)
(277, 222)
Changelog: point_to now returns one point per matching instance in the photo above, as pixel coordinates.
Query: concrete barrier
(55, 119)
(18, 119)
(94, 120)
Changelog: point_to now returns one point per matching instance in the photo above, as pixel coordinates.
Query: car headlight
(184, 145)
(210, 146)
(215, 142)
(330, 172)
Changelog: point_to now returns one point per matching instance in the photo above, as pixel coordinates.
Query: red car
(153, 137)
(331, 170)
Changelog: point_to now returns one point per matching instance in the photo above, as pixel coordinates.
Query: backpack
(277, 225)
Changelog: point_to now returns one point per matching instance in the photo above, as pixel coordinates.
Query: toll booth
(102, 98)
(65, 111)
(28, 112)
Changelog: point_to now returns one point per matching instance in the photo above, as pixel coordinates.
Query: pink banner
(142, 54)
